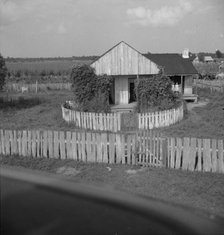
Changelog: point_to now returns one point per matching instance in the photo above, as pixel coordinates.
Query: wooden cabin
(126, 64)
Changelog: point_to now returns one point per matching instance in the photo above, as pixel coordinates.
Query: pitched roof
(173, 64)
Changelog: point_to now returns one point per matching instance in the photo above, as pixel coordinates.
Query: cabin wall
(124, 60)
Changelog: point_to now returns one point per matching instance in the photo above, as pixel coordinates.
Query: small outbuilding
(125, 64)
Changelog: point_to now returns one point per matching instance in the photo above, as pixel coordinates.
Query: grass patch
(199, 190)
(202, 122)
(19, 103)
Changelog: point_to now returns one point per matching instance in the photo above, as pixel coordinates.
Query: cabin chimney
(185, 53)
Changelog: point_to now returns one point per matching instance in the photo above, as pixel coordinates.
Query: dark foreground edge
(33, 203)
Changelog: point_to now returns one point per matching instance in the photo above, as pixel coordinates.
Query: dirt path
(191, 106)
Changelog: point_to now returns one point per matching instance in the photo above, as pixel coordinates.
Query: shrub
(155, 93)
(91, 91)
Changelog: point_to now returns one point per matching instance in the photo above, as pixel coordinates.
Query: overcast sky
(45, 28)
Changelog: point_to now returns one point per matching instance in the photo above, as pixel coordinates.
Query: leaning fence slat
(15, 143)
(178, 153)
(68, 145)
(62, 145)
(1, 142)
(111, 148)
(221, 156)
(79, 147)
(199, 165)
(45, 144)
(123, 148)
(99, 148)
(29, 144)
(104, 142)
(74, 146)
(118, 149)
(93, 150)
(192, 155)
(88, 146)
(128, 149)
(11, 142)
(24, 144)
(50, 144)
(214, 155)
(186, 153)
(7, 143)
(172, 154)
(56, 145)
(206, 155)
(83, 138)
(33, 143)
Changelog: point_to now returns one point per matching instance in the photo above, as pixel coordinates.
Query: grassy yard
(205, 122)
(193, 189)
(202, 122)
(46, 115)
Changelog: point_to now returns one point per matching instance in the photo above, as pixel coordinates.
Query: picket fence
(81, 146)
(93, 121)
(35, 87)
(213, 86)
(112, 121)
(160, 119)
(147, 148)
(196, 154)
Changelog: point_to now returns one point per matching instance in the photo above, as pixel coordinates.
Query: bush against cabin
(155, 93)
(91, 92)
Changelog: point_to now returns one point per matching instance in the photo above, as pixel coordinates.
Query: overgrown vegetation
(91, 92)
(155, 93)
(19, 103)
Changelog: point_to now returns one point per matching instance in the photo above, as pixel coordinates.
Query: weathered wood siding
(124, 60)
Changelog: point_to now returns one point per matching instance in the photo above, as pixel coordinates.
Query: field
(42, 70)
(48, 66)
(42, 111)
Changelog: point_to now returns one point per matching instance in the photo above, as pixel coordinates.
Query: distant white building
(208, 59)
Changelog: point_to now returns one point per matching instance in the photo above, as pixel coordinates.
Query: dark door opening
(132, 92)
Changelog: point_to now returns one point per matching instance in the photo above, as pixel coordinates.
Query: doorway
(132, 97)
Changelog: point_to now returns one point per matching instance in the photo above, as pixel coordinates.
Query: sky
(51, 28)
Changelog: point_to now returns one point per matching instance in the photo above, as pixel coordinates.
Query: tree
(201, 57)
(3, 72)
(218, 54)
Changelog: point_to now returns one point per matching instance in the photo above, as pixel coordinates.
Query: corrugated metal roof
(173, 64)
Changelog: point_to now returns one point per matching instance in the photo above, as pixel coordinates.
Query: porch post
(137, 89)
(182, 88)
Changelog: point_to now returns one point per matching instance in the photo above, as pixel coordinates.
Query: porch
(123, 108)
